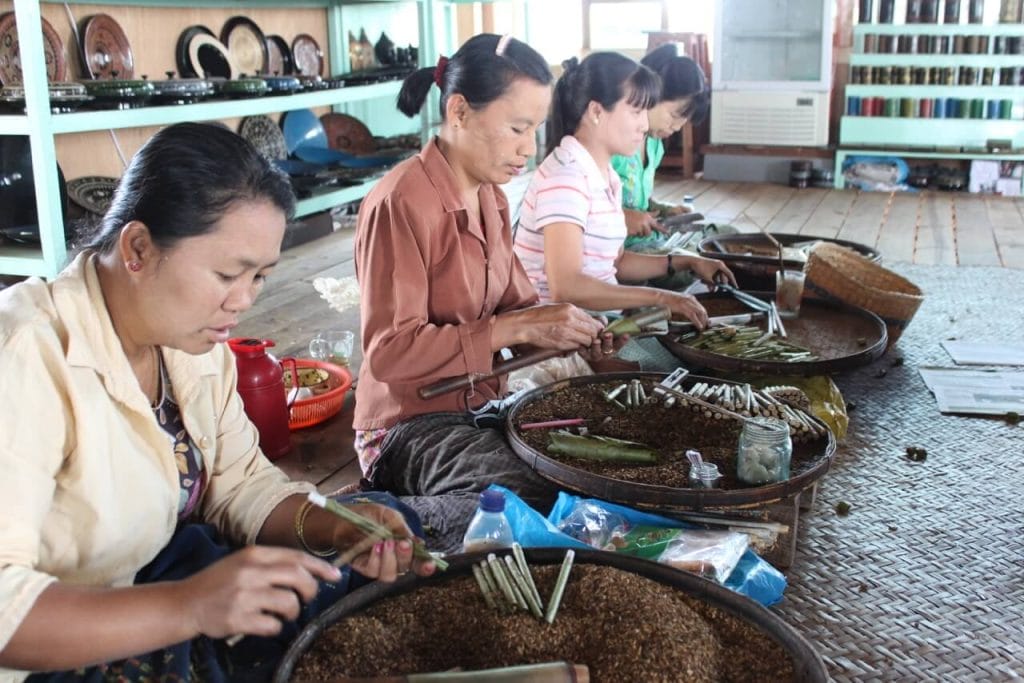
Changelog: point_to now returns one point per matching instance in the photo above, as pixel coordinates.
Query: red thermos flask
(261, 385)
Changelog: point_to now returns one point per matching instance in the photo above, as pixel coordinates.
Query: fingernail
(378, 548)
(404, 546)
(389, 545)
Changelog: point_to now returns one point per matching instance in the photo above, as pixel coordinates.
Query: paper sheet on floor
(984, 353)
(980, 392)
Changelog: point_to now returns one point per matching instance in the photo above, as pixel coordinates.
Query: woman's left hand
(604, 347)
(374, 558)
(712, 271)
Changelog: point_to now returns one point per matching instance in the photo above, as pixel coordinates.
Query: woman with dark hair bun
(442, 292)
(683, 98)
(131, 474)
(571, 228)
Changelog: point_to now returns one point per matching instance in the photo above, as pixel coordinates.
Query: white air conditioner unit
(769, 118)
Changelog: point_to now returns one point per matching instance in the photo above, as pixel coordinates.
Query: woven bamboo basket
(840, 274)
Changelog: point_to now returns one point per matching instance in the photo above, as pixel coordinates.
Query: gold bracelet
(300, 520)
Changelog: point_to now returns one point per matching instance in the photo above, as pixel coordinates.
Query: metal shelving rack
(41, 126)
(931, 138)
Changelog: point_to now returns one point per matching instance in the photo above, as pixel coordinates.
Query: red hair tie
(442, 64)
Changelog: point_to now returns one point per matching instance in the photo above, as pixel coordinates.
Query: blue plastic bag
(752, 577)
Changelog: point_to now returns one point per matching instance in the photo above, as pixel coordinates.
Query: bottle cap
(492, 501)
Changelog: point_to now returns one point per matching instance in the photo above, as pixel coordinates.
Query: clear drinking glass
(333, 346)
(789, 290)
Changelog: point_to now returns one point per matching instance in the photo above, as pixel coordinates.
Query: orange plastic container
(306, 412)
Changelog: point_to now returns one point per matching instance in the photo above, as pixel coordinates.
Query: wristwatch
(669, 268)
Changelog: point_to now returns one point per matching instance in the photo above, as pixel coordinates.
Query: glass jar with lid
(765, 450)
(704, 476)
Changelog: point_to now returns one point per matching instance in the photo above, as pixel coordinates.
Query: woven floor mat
(924, 578)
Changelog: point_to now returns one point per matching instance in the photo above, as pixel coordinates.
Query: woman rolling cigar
(442, 292)
(571, 228)
(683, 99)
(131, 475)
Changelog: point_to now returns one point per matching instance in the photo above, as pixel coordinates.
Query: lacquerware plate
(181, 56)
(302, 128)
(307, 56)
(348, 134)
(246, 44)
(265, 136)
(279, 57)
(210, 58)
(106, 52)
(92, 193)
(10, 57)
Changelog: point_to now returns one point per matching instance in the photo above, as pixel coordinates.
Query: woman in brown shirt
(442, 292)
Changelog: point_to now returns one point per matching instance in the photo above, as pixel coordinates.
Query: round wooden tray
(811, 459)
(807, 663)
(834, 333)
(754, 259)
(10, 56)
(106, 52)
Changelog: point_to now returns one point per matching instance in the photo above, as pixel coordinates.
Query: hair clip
(502, 45)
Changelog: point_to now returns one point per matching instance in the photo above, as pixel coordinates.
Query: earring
(596, 121)
(134, 266)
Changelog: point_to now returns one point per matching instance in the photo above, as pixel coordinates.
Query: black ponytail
(603, 77)
(476, 71)
(681, 78)
(414, 91)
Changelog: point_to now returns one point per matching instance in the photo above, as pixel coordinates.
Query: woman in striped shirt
(572, 226)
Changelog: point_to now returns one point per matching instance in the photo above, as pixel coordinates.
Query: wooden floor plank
(828, 217)
(1007, 218)
(975, 241)
(769, 204)
(896, 236)
(935, 237)
(801, 205)
(865, 218)
(731, 199)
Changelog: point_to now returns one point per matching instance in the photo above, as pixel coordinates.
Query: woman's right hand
(551, 326)
(687, 306)
(641, 223)
(253, 590)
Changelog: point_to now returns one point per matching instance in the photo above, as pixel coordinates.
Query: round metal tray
(832, 331)
(601, 482)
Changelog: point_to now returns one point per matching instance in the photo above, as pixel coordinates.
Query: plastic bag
(712, 554)
(827, 402)
(548, 371)
(752, 575)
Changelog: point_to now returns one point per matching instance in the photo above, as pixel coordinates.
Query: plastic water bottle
(489, 529)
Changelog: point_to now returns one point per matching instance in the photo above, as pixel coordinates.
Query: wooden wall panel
(152, 33)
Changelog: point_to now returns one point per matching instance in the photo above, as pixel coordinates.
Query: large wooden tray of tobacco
(839, 337)
(669, 431)
(625, 618)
